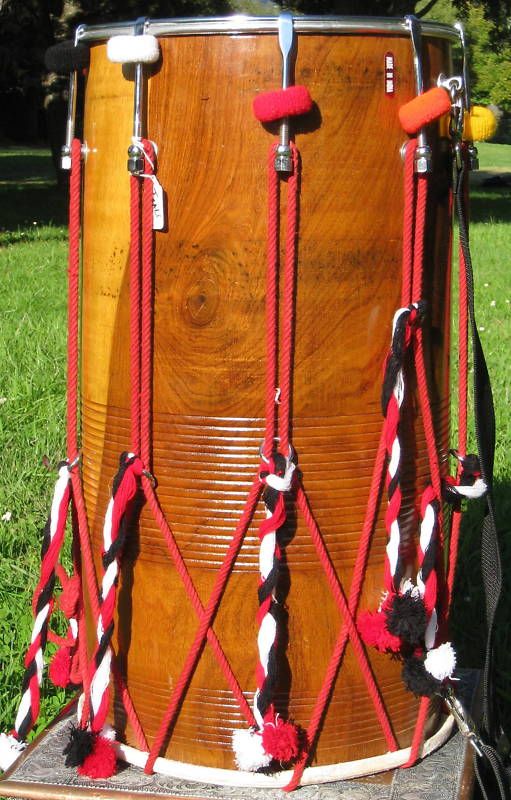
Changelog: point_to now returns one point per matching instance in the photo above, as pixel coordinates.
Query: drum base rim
(327, 773)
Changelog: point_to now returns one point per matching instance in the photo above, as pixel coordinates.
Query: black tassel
(406, 618)
(417, 679)
(79, 746)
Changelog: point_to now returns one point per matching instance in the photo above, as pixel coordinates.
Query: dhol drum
(208, 399)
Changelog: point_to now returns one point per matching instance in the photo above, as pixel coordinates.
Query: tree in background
(28, 27)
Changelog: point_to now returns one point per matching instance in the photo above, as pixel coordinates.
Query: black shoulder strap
(490, 762)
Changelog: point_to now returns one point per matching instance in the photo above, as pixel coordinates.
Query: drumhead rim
(242, 24)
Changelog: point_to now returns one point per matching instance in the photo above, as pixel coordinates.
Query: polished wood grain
(209, 362)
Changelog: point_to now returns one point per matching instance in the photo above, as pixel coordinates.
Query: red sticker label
(390, 75)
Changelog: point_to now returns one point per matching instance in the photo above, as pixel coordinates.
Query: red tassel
(424, 108)
(290, 102)
(280, 740)
(70, 596)
(372, 626)
(60, 667)
(101, 763)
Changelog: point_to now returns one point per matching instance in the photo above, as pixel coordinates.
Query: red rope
(206, 621)
(146, 332)
(408, 222)
(191, 591)
(75, 188)
(135, 297)
(288, 314)
(272, 310)
(142, 351)
(80, 522)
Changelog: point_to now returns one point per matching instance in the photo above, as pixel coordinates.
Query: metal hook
(463, 721)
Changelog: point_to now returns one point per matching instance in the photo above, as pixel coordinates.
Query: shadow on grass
(468, 622)
(490, 205)
(29, 195)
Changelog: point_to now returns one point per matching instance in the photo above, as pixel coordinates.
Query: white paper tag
(158, 205)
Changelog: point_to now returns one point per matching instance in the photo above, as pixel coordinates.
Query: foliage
(491, 62)
(29, 27)
(489, 45)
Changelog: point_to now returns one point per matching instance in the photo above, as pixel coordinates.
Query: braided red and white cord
(28, 711)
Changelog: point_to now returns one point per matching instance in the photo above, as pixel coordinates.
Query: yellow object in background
(479, 124)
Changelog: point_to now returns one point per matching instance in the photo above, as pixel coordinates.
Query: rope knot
(277, 472)
(469, 484)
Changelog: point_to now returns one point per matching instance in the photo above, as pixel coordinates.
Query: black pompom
(79, 746)
(65, 57)
(470, 469)
(417, 679)
(406, 618)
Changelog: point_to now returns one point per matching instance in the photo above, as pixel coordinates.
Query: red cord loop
(290, 102)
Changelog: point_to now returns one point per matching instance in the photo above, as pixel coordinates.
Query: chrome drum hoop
(241, 24)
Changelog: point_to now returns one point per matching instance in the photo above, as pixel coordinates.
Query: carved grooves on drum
(219, 714)
(204, 469)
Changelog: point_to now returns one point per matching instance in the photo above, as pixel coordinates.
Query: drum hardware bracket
(463, 720)
(455, 86)
(283, 157)
(135, 151)
(473, 156)
(65, 153)
(423, 155)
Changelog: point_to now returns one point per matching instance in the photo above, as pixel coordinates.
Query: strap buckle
(464, 721)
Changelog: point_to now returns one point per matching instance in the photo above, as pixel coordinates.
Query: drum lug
(423, 159)
(473, 157)
(135, 159)
(283, 159)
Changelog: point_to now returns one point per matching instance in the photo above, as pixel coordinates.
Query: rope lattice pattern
(269, 736)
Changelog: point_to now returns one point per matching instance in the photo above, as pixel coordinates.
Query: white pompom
(10, 750)
(107, 732)
(441, 662)
(248, 749)
(143, 49)
(478, 489)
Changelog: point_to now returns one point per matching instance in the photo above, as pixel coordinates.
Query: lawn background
(32, 403)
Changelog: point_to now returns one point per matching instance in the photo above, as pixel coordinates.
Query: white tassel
(478, 489)
(248, 749)
(441, 662)
(10, 750)
(143, 49)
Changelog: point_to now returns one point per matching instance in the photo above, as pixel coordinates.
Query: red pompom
(372, 626)
(424, 108)
(280, 740)
(101, 762)
(290, 102)
(70, 596)
(60, 667)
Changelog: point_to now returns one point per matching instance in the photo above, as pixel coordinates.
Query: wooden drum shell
(209, 363)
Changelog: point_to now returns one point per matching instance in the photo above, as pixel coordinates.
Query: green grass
(490, 234)
(32, 389)
(32, 207)
(32, 386)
